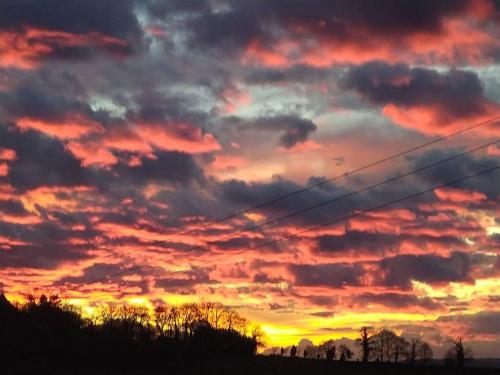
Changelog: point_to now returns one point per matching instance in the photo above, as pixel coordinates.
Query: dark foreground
(260, 365)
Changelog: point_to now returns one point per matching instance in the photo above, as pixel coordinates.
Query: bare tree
(258, 335)
(425, 353)
(419, 350)
(365, 342)
(384, 343)
(234, 321)
(458, 352)
(400, 348)
(161, 320)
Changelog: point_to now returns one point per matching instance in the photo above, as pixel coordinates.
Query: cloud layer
(127, 128)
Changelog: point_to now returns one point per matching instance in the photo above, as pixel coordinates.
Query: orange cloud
(4, 169)
(432, 120)
(178, 137)
(459, 41)
(25, 49)
(92, 154)
(140, 139)
(7, 154)
(459, 195)
(6, 192)
(126, 140)
(494, 150)
(72, 126)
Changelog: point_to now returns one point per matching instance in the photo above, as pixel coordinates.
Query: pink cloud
(7, 154)
(71, 126)
(4, 169)
(26, 48)
(455, 195)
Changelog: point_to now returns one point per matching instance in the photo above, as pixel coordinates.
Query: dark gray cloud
(374, 242)
(239, 23)
(45, 245)
(264, 278)
(43, 98)
(400, 270)
(397, 271)
(336, 275)
(482, 323)
(237, 243)
(359, 241)
(296, 73)
(72, 31)
(175, 167)
(292, 129)
(91, 274)
(456, 93)
(13, 207)
(395, 300)
(185, 280)
(112, 17)
(41, 161)
(457, 168)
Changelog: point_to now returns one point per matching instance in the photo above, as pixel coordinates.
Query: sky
(128, 128)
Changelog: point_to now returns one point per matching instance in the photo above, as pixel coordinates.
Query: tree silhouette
(400, 348)
(384, 344)
(419, 350)
(365, 342)
(49, 333)
(345, 353)
(458, 353)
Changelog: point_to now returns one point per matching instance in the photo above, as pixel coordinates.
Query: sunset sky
(127, 128)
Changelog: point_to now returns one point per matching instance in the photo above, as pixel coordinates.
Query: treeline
(48, 333)
(382, 345)
(385, 345)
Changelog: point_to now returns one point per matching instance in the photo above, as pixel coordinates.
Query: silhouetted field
(295, 366)
(270, 365)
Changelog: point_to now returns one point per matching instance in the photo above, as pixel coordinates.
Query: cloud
(395, 301)
(40, 161)
(185, 280)
(37, 105)
(461, 167)
(335, 275)
(31, 31)
(44, 245)
(422, 99)
(402, 269)
(26, 49)
(292, 129)
(174, 167)
(281, 35)
(481, 323)
(117, 147)
(459, 195)
(358, 241)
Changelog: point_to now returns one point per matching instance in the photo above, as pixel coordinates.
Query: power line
(349, 194)
(321, 183)
(375, 208)
(335, 178)
(361, 212)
